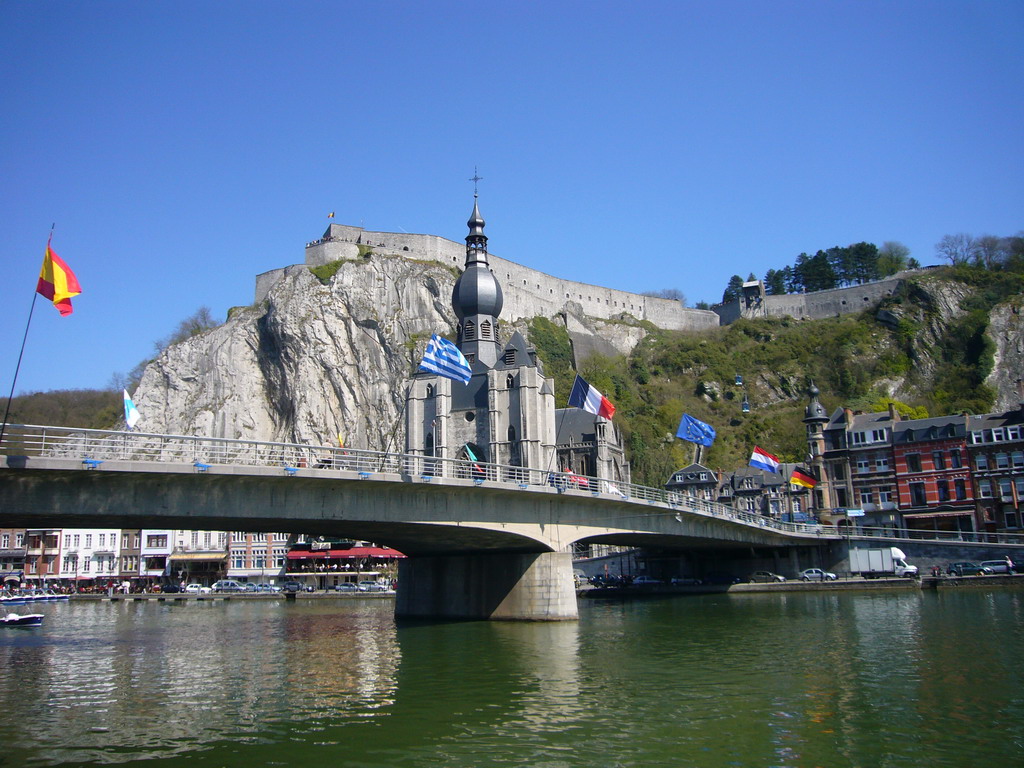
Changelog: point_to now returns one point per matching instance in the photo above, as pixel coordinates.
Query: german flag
(802, 478)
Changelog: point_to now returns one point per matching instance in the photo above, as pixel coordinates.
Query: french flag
(589, 399)
(764, 460)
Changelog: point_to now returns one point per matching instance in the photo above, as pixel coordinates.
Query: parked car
(816, 574)
(292, 586)
(967, 568)
(346, 586)
(372, 586)
(765, 577)
(170, 589)
(997, 566)
(228, 585)
(267, 588)
(197, 589)
(649, 581)
(249, 587)
(684, 581)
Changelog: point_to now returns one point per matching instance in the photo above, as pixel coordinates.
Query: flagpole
(17, 368)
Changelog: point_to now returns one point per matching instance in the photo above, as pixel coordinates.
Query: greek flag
(445, 359)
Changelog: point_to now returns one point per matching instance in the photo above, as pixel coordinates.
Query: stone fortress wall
(531, 293)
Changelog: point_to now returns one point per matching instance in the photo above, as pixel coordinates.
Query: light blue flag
(131, 413)
(696, 431)
(445, 359)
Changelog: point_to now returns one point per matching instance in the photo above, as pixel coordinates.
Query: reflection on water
(743, 680)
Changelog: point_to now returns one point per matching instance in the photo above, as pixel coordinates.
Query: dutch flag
(764, 460)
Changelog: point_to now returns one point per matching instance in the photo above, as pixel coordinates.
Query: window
(917, 495)
(1006, 489)
(86, 565)
(78, 540)
(878, 436)
(954, 460)
(985, 489)
(1013, 433)
(485, 329)
(881, 463)
(103, 540)
(863, 465)
(469, 331)
(997, 435)
(961, 489)
(5, 542)
(859, 438)
(913, 462)
(1002, 461)
(510, 381)
(1017, 459)
(88, 541)
(938, 460)
(19, 539)
(885, 497)
(942, 487)
(67, 541)
(865, 497)
(981, 461)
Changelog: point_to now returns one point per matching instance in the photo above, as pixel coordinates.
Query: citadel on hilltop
(531, 293)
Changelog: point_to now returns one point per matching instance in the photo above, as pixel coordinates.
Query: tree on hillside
(957, 249)
(198, 322)
(862, 263)
(733, 290)
(667, 293)
(991, 252)
(775, 281)
(813, 273)
(893, 257)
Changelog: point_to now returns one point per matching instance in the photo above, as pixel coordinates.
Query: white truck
(886, 561)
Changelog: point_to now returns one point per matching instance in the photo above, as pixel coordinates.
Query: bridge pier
(501, 587)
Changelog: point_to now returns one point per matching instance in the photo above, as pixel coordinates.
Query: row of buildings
(961, 473)
(87, 559)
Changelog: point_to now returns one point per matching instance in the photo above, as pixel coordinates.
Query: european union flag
(696, 431)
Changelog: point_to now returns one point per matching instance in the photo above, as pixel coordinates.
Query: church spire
(477, 298)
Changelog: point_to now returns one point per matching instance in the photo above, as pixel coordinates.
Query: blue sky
(182, 147)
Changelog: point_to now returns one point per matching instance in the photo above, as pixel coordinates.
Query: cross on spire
(476, 178)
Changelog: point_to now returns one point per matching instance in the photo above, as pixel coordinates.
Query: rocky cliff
(317, 358)
(321, 356)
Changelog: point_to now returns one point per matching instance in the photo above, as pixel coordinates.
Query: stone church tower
(506, 414)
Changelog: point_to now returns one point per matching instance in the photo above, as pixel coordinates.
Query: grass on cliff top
(849, 358)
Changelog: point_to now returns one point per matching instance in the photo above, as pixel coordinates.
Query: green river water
(902, 678)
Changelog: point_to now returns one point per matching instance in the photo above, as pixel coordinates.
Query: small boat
(22, 620)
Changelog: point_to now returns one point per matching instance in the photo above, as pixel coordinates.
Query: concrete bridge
(484, 540)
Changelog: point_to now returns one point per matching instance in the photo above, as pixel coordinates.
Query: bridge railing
(95, 446)
(966, 537)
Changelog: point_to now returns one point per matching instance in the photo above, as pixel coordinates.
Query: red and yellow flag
(57, 282)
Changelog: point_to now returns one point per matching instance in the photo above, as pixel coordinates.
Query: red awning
(352, 553)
